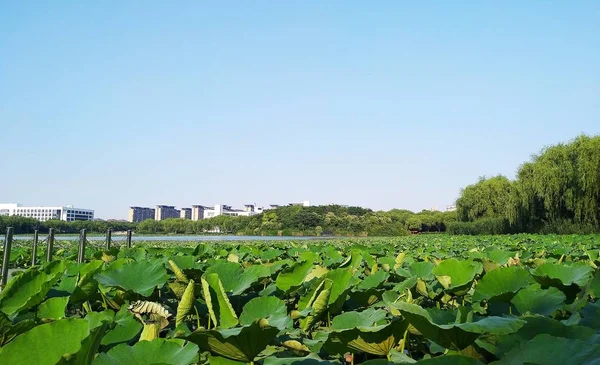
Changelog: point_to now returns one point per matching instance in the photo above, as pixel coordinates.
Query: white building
(220, 209)
(67, 213)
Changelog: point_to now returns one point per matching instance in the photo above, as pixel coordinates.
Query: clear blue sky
(385, 104)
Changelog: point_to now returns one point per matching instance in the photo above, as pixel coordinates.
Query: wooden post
(50, 244)
(34, 248)
(129, 238)
(108, 238)
(6, 255)
(81, 252)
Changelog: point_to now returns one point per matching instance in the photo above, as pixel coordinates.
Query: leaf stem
(403, 343)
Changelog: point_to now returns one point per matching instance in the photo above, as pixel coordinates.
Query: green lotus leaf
(139, 277)
(595, 285)
(184, 262)
(271, 308)
(422, 270)
(455, 336)
(127, 327)
(537, 301)
(316, 272)
(373, 281)
(53, 308)
(29, 288)
(250, 276)
(590, 316)
(240, 344)
(450, 360)
(406, 284)
(229, 274)
(500, 256)
(8, 330)
(388, 262)
(341, 285)
(219, 308)
(48, 343)
(293, 277)
(378, 340)
(137, 253)
(87, 285)
(366, 318)
(457, 276)
(550, 274)
(319, 304)
(186, 304)
(311, 359)
(157, 351)
(502, 284)
(549, 350)
(218, 360)
(537, 325)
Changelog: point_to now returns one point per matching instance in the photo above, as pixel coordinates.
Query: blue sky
(384, 104)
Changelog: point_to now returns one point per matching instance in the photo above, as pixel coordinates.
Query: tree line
(23, 225)
(318, 220)
(558, 191)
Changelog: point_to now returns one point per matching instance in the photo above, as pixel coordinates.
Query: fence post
(34, 248)
(50, 244)
(129, 238)
(81, 252)
(6, 255)
(108, 238)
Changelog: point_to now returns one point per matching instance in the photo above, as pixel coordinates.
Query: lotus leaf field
(428, 299)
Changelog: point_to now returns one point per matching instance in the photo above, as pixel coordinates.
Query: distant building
(451, 208)
(305, 203)
(185, 213)
(138, 214)
(198, 212)
(166, 211)
(220, 209)
(67, 213)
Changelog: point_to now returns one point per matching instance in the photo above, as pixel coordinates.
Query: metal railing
(51, 244)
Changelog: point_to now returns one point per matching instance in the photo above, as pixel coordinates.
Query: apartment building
(138, 214)
(198, 212)
(185, 213)
(166, 211)
(221, 209)
(67, 213)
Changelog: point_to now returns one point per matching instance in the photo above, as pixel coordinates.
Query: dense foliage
(557, 191)
(28, 225)
(318, 220)
(429, 299)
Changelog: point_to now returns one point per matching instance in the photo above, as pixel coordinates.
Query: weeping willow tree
(485, 199)
(562, 183)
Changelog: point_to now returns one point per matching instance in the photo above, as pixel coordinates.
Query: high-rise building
(165, 211)
(67, 213)
(185, 213)
(138, 214)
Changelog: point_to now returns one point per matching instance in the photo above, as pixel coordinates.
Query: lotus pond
(436, 299)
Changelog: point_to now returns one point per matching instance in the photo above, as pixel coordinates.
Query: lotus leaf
(220, 310)
(502, 284)
(241, 343)
(456, 336)
(537, 301)
(158, 351)
(141, 277)
(271, 308)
